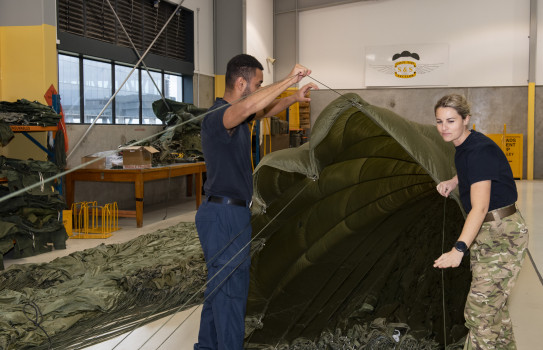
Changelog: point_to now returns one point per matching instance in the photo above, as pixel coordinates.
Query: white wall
(259, 33)
(488, 39)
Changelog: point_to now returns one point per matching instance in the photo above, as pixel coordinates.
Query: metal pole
(531, 90)
(137, 53)
(120, 87)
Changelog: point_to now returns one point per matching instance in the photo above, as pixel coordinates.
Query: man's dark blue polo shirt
(227, 154)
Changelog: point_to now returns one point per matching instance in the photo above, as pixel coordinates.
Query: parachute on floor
(346, 229)
(350, 224)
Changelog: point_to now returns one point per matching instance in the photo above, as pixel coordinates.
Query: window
(69, 84)
(87, 84)
(173, 87)
(127, 101)
(149, 94)
(97, 91)
(96, 57)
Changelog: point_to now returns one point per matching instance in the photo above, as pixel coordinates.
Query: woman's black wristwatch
(461, 247)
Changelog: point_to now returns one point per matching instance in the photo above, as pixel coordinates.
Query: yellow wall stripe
(28, 62)
(531, 132)
(219, 85)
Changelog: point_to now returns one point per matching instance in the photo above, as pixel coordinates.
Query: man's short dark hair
(241, 66)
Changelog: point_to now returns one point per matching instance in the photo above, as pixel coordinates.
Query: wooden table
(138, 177)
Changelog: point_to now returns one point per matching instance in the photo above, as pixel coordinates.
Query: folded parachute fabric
(6, 134)
(182, 141)
(349, 225)
(29, 222)
(24, 112)
(96, 294)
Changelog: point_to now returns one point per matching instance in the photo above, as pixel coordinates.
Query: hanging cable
(145, 139)
(358, 106)
(268, 122)
(354, 103)
(232, 259)
(159, 133)
(124, 82)
(251, 133)
(138, 53)
(443, 275)
(247, 245)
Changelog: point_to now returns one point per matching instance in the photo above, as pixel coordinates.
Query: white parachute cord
(228, 262)
(145, 139)
(443, 275)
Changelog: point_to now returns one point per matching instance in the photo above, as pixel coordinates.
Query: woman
(494, 229)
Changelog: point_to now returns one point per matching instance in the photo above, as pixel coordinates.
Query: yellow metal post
(503, 137)
(531, 128)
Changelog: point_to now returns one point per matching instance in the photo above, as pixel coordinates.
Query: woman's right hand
(446, 187)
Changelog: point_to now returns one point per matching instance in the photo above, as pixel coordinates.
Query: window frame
(77, 36)
(140, 71)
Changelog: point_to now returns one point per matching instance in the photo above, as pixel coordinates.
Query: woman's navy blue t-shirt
(479, 158)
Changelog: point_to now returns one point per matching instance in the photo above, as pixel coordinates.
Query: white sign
(407, 65)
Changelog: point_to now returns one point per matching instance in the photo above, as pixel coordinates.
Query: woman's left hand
(449, 259)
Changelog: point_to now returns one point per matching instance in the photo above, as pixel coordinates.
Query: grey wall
(158, 192)
(491, 107)
(110, 137)
(27, 12)
(204, 90)
(285, 42)
(229, 27)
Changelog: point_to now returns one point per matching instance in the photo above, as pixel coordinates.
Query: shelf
(30, 132)
(20, 128)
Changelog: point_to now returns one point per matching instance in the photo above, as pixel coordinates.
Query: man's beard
(247, 91)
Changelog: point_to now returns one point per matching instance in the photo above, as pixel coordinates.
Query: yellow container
(512, 145)
(67, 221)
(294, 110)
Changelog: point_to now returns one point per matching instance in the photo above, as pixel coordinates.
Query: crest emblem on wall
(405, 67)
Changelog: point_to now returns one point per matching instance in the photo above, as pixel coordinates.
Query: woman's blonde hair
(456, 102)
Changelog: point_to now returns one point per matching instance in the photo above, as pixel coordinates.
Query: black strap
(226, 200)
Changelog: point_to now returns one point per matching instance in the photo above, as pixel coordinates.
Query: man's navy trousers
(225, 232)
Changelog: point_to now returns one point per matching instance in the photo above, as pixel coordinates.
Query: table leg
(69, 194)
(198, 190)
(189, 185)
(138, 184)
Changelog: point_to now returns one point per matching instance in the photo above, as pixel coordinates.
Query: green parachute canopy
(348, 227)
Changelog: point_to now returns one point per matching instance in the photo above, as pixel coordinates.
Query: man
(223, 219)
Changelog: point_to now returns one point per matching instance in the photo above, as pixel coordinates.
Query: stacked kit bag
(30, 222)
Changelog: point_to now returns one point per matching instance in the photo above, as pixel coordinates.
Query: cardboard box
(99, 164)
(279, 141)
(138, 157)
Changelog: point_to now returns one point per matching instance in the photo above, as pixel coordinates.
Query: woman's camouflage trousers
(496, 259)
